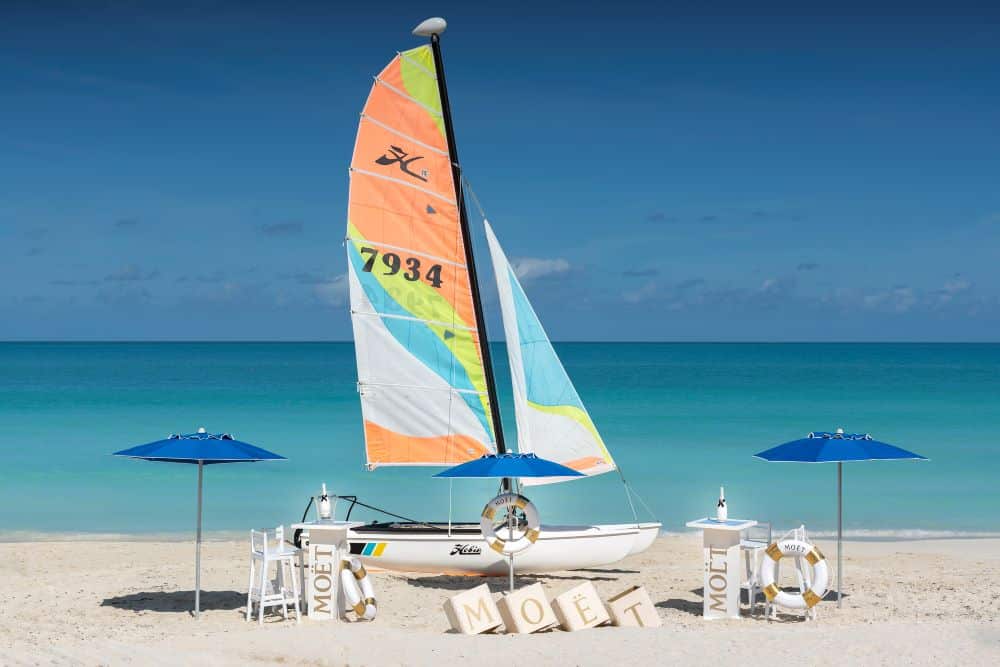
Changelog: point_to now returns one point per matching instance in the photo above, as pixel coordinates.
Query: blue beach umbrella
(509, 465)
(837, 447)
(204, 449)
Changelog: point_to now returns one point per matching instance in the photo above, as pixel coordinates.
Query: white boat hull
(466, 552)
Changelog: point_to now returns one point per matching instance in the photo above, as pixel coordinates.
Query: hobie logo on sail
(465, 550)
(396, 155)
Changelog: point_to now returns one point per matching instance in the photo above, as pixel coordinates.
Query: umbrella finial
(201, 429)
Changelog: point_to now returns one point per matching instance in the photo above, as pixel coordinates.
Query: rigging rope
(475, 199)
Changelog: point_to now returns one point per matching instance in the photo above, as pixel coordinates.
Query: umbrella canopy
(201, 448)
(509, 465)
(837, 447)
(824, 447)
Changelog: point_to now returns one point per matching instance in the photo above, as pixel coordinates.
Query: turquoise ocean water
(681, 419)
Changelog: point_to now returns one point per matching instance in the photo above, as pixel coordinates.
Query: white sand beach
(97, 602)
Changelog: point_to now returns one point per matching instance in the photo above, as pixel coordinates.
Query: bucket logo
(396, 155)
(465, 550)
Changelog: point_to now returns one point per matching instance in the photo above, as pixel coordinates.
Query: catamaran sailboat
(428, 393)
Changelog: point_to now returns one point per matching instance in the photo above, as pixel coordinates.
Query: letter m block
(473, 612)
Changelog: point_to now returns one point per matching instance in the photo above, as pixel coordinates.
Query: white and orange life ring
(510, 502)
(358, 589)
(795, 548)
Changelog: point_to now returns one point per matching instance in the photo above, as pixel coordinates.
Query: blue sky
(691, 172)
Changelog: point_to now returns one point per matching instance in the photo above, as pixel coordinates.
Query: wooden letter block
(526, 610)
(473, 612)
(579, 608)
(633, 608)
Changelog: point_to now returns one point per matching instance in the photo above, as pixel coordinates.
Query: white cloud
(781, 285)
(952, 290)
(640, 294)
(769, 285)
(332, 292)
(957, 285)
(529, 268)
(130, 273)
(898, 299)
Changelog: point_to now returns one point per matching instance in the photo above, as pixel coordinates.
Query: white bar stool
(264, 591)
(753, 542)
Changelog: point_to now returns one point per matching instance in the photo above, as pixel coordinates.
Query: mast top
(430, 27)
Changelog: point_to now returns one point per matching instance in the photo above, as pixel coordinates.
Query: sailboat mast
(470, 261)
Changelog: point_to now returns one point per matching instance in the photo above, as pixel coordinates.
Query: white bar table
(327, 548)
(721, 540)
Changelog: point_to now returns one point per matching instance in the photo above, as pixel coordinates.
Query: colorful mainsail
(420, 366)
(551, 419)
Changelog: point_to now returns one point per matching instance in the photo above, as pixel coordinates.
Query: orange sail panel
(420, 366)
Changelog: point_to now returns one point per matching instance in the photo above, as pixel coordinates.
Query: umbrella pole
(840, 532)
(197, 552)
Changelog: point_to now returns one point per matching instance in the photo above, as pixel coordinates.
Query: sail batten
(552, 421)
(362, 313)
(400, 181)
(397, 91)
(404, 55)
(421, 374)
(402, 135)
(362, 385)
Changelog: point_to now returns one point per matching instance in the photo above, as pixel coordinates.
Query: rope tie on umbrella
(840, 436)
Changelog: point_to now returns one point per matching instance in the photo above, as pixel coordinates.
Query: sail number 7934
(393, 263)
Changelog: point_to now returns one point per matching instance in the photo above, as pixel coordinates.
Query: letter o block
(473, 612)
(633, 608)
(580, 607)
(526, 610)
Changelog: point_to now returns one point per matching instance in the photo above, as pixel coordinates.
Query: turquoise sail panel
(545, 378)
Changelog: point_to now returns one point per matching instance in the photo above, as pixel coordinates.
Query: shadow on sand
(695, 607)
(177, 601)
(686, 606)
(464, 582)
(607, 571)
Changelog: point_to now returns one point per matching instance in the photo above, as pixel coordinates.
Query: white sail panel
(552, 421)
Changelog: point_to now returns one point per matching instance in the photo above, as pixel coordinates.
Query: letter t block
(633, 608)
(473, 612)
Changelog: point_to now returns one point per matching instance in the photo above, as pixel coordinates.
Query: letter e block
(580, 607)
(526, 610)
(633, 608)
(473, 612)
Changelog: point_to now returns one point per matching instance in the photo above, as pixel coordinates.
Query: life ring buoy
(821, 575)
(358, 589)
(510, 502)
